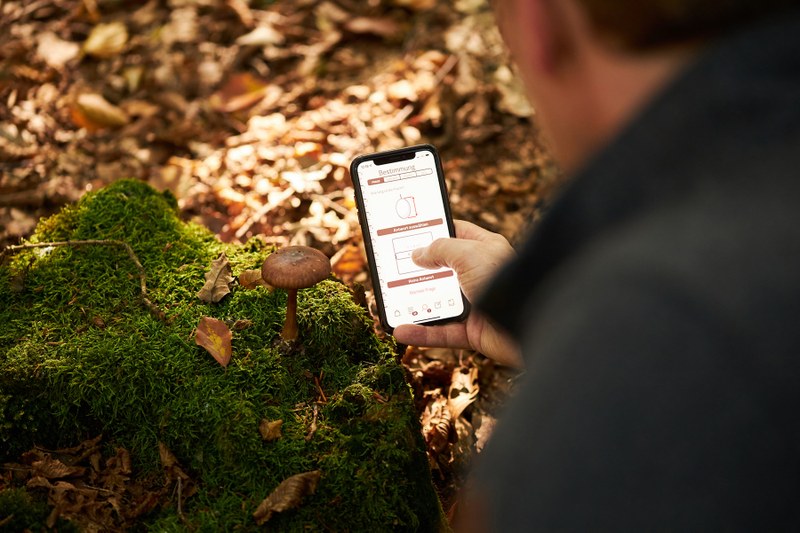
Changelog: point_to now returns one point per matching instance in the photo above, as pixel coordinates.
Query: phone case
(405, 208)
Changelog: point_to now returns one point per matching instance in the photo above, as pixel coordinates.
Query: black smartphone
(402, 205)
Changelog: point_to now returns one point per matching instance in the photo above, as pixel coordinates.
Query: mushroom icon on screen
(406, 207)
(292, 268)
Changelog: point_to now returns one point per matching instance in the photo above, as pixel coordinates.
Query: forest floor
(250, 113)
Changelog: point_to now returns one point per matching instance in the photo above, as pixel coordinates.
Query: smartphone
(402, 205)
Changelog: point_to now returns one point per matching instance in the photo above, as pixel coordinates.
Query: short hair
(647, 24)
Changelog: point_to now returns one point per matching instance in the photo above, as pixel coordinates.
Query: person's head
(588, 65)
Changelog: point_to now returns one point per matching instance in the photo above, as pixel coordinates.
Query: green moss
(81, 355)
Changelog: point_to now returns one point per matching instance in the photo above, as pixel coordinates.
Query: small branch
(313, 428)
(153, 308)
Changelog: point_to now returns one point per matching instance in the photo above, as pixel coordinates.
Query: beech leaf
(270, 429)
(215, 337)
(250, 279)
(218, 280)
(288, 495)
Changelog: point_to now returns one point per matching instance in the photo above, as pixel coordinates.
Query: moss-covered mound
(80, 355)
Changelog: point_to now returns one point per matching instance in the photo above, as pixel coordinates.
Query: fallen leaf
(218, 280)
(242, 324)
(436, 424)
(463, 390)
(54, 51)
(250, 279)
(215, 337)
(261, 36)
(239, 92)
(382, 27)
(50, 468)
(287, 495)
(93, 112)
(270, 429)
(348, 262)
(106, 40)
(484, 426)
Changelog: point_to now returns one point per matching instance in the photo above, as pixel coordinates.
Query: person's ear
(543, 32)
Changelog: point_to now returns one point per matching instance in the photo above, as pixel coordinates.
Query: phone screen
(404, 203)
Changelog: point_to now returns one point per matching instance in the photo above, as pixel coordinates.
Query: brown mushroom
(293, 268)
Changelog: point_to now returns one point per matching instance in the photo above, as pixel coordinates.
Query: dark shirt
(658, 307)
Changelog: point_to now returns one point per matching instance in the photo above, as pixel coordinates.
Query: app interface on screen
(403, 204)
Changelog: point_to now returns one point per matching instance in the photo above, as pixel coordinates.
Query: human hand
(475, 255)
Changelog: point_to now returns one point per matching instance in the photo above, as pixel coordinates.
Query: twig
(313, 428)
(153, 308)
(180, 497)
(319, 388)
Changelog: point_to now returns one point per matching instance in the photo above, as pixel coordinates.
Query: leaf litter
(250, 113)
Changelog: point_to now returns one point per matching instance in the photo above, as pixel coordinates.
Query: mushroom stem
(289, 332)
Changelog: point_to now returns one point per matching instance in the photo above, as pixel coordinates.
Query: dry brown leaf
(261, 36)
(436, 423)
(239, 92)
(287, 495)
(50, 468)
(382, 27)
(484, 426)
(270, 429)
(218, 280)
(54, 51)
(250, 279)
(464, 390)
(349, 262)
(242, 324)
(168, 459)
(215, 337)
(106, 40)
(93, 112)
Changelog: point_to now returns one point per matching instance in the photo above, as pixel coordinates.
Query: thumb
(451, 253)
(424, 258)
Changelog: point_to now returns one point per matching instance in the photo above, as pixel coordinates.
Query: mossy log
(81, 355)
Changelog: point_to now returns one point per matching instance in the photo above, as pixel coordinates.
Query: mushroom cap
(295, 267)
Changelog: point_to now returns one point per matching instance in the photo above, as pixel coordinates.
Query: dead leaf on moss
(218, 280)
(215, 337)
(270, 429)
(250, 279)
(242, 324)
(288, 495)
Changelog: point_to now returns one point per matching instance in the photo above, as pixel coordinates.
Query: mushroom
(293, 268)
